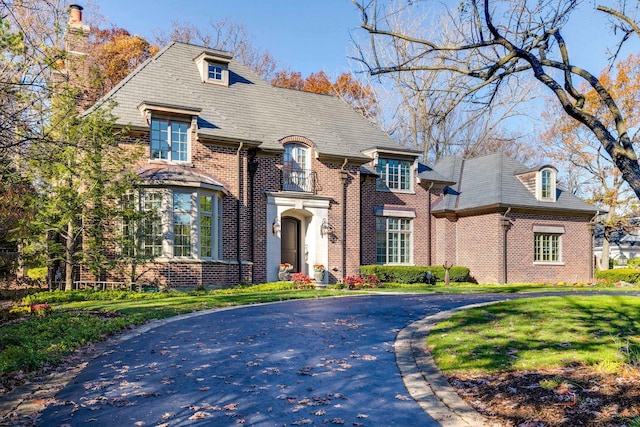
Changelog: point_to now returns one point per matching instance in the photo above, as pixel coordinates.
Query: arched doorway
(290, 244)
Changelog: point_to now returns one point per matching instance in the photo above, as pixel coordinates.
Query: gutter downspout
(429, 224)
(343, 177)
(253, 168)
(592, 228)
(238, 205)
(506, 223)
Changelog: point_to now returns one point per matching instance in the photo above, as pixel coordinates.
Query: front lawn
(557, 361)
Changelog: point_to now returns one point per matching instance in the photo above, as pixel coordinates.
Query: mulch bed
(574, 396)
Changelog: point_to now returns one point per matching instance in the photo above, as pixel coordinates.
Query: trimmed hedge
(414, 274)
(630, 275)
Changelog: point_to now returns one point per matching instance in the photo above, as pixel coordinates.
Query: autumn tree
(591, 170)
(361, 97)
(114, 54)
(494, 44)
(225, 35)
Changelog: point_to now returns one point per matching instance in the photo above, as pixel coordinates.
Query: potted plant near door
(318, 272)
(284, 271)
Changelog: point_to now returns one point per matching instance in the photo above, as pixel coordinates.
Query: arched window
(547, 185)
(296, 168)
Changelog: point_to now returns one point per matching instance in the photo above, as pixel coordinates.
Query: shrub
(302, 281)
(634, 263)
(361, 282)
(414, 274)
(39, 273)
(619, 275)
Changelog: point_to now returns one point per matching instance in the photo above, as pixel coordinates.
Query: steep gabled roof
(491, 182)
(249, 109)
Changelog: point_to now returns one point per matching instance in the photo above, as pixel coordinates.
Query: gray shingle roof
(249, 109)
(491, 181)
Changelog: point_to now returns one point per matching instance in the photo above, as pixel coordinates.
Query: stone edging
(425, 381)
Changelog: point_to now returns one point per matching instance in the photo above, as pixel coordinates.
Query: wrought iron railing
(294, 179)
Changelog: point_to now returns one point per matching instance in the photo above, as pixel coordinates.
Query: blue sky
(313, 35)
(302, 35)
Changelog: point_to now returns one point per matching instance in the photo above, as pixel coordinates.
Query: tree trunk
(69, 249)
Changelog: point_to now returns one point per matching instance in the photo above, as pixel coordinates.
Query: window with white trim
(393, 240)
(152, 225)
(547, 185)
(191, 227)
(547, 247)
(215, 71)
(296, 169)
(182, 224)
(169, 140)
(142, 224)
(394, 174)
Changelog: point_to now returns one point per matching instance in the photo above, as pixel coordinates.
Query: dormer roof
(248, 109)
(492, 183)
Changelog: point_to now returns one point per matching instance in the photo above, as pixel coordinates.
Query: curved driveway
(307, 362)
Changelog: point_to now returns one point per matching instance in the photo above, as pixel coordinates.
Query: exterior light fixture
(324, 227)
(276, 226)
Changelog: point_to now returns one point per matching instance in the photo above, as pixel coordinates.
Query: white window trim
(190, 125)
(560, 244)
(552, 184)
(412, 170)
(166, 213)
(220, 59)
(411, 237)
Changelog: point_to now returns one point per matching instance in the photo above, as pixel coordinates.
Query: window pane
(181, 235)
(547, 247)
(159, 139)
(393, 240)
(215, 72)
(394, 174)
(179, 141)
(206, 226)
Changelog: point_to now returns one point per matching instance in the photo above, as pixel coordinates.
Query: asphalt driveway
(308, 362)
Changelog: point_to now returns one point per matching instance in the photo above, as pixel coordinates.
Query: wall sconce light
(275, 228)
(324, 227)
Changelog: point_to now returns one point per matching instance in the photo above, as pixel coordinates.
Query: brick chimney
(75, 14)
(75, 69)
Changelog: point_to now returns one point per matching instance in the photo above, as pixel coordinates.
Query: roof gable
(494, 181)
(248, 109)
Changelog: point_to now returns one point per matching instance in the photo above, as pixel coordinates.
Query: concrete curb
(425, 381)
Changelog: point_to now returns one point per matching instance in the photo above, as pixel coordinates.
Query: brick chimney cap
(76, 7)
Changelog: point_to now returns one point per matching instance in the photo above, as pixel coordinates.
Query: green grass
(600, 331)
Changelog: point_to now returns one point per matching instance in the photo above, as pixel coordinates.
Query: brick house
(244, 177)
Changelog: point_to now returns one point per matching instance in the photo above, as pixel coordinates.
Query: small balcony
(303, 180)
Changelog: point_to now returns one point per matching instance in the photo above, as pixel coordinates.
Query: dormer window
(546, 185)
(214, 67)
(169, 140)
(171, 130)
(394, 174)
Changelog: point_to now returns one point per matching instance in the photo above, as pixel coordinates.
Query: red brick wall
(576, 249)
(479, 246)
(417, 201)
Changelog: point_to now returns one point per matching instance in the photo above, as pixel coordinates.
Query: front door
(290, 243)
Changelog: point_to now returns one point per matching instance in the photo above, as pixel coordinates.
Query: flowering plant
(301, 281)
(285, 265)
(318, 267)
(358, 282)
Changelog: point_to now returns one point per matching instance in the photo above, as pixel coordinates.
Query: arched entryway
(290, 246)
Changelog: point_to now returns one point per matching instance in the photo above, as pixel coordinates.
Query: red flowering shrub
(359, 282)
(302, 281)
